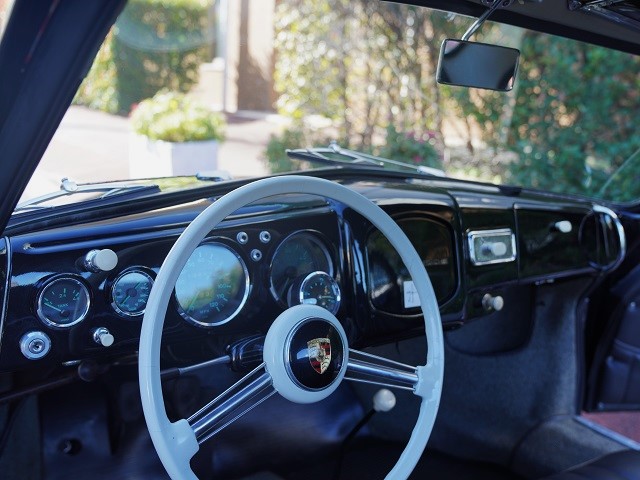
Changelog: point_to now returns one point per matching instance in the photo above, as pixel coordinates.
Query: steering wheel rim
(176, 442)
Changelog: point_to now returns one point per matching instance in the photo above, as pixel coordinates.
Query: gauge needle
(48, 304)
(128, 296)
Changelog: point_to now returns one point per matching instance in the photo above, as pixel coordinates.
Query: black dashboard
(78, 292)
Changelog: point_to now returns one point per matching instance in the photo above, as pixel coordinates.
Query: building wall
(254, 54)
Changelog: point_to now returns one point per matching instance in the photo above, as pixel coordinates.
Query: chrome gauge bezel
(243, 301)
(316, 238)
(334, 284)
(112, 293)
(51, 282)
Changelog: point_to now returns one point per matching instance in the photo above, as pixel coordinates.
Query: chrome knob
(103, 260)
(35, 345)
(491, 303)
(103, 337)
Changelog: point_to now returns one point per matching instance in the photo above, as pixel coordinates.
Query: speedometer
(213, 285)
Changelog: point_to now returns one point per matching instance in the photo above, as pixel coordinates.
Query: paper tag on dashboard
(411, 298)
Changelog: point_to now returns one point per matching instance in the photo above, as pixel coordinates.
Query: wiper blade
(316, 155)
(357, 159)
(70, 187)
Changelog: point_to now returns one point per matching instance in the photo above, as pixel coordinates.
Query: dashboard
(79, 292)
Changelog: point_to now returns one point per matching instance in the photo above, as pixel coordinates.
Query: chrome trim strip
(621, 233)
(471, 235)
(5, 294)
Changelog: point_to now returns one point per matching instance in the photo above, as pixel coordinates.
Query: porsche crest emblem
(319, 354)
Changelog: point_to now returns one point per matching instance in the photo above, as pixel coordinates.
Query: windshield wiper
(327, 156)
(70, 187)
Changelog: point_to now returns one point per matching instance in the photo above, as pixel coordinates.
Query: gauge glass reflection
(63, 302)
(213, 285)
(297, 256)
(130, 292)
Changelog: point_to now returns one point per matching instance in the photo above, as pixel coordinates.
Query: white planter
(156, 158)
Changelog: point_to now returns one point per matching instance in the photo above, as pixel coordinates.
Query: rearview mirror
(479, 65)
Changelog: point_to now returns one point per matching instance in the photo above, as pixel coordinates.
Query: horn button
(315, 354)
(306, 353)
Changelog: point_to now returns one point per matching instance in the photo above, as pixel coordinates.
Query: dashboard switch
(103, 337)
(487, 247)
(103, 260)
(35, 345)
(496, 249)
(491, 303)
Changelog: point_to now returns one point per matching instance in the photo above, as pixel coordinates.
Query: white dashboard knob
(103, 260)
(563, 226)
(489, 302)
(384, 400)
(103, 337)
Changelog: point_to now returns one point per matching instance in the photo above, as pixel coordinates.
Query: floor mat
(371, 462)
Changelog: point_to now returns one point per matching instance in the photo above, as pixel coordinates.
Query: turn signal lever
(246, 354)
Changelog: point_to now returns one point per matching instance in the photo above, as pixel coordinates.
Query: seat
(623, 465)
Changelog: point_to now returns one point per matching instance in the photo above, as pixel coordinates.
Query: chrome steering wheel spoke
(237, 400)
(367, 368)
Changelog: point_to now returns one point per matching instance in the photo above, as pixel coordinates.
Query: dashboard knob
(384, 400)
(103, 337)
(563, 226)
(491, 303)
(103, 260)
(496, 249)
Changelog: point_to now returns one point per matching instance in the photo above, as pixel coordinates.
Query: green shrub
(415, 148)
(154, 45)
(174, 117)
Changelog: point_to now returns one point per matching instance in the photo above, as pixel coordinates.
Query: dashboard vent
(603, 238)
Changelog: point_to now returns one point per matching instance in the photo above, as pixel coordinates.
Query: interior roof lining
(584, 26)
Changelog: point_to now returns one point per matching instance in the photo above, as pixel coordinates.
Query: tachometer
(130, 292)
(213, 285)
(296, 257)
(63, 302)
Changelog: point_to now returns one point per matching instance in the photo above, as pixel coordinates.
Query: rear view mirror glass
(479, 65)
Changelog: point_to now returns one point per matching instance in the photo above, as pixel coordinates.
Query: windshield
(205, 86)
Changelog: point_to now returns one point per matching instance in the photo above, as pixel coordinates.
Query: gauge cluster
(236, 282)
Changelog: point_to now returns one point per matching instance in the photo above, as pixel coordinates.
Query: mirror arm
(483, 18)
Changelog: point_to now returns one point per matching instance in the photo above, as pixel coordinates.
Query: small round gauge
(213, 285)
(63, 302)
(317, 288)
(299, 254)
(130, 292)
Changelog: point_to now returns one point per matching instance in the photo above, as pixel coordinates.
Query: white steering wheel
(294, 334)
